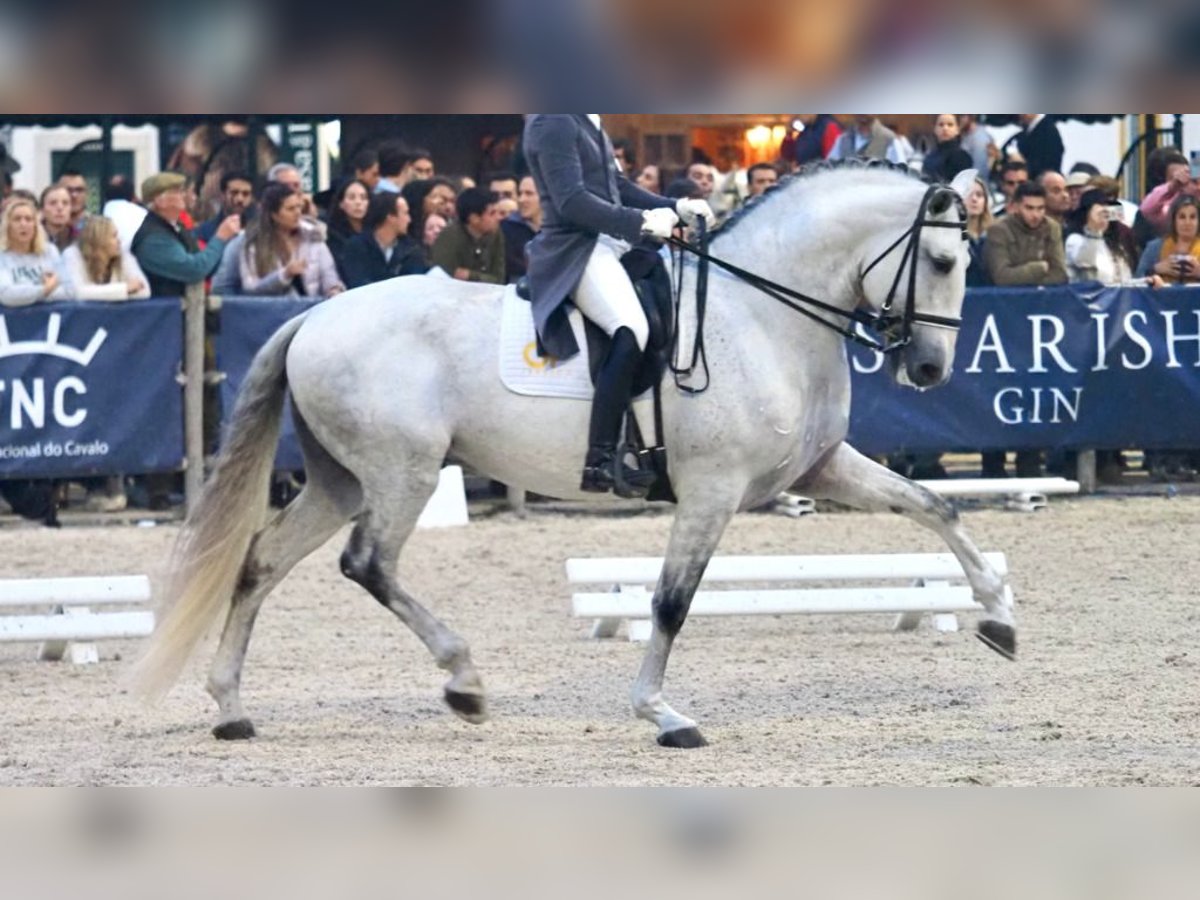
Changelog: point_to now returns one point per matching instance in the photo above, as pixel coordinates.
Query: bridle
(895, 330)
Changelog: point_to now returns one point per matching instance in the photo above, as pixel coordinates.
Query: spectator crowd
(391, 213)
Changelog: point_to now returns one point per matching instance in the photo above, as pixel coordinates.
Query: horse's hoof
(1000, 637)
(469, 707)
(682, 738)
(237, 730)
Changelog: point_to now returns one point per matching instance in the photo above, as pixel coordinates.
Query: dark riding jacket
(583, 195)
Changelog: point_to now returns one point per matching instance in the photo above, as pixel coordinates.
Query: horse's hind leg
(370, 559)
(329, 499)
(851, 478)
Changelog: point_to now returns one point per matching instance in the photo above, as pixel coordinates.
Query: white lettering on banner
(95, 448)
(34, 406)
(1016, 418)
(989, 340)
(1139, 339)
(1051, 346)
(876, 356)
(862, 369)
(1009, 409)
(61, 416)
(1101, 342)
(20, 451)
(1172, 338)
(28, 403)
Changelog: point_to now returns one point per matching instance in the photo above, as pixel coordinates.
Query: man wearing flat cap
(166, 252)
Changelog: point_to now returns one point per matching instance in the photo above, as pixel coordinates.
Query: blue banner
(1072, 367)
(90, 389)
(246, 324)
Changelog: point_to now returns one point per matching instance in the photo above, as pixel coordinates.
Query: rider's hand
(691, 210)
(659, 223)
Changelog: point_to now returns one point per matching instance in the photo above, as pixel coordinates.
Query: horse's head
(917, 284)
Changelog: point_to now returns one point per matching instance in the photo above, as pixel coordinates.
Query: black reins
(895, 330)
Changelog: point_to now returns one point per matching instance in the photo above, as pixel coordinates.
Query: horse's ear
(962, 182)
(940, 202)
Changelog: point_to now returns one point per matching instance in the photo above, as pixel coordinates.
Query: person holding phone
(1100, 247)
(1181, 180)
(1176, 257)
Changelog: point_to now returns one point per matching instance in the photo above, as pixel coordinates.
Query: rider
(591, 213)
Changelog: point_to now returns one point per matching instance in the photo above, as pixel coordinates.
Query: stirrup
(609, 473)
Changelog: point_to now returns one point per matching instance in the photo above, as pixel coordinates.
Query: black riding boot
(614, 383)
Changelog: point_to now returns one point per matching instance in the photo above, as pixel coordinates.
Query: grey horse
(389, 380)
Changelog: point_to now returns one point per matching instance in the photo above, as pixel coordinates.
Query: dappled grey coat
(583, 194)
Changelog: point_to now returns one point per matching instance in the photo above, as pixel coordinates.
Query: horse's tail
(208, 556)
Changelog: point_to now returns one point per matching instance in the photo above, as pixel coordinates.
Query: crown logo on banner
(50, 345)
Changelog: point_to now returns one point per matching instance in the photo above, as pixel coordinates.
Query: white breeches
(606, 295)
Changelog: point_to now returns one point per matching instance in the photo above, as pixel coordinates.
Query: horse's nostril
(929, 373)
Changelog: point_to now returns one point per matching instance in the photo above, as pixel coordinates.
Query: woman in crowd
(650, 179)
(99, 269)
(346, 218)
(427, 197)
(56, 216)
(948, 158)
(434, 223)
(30, 266)
(979, 220)
(1176, 257)
(279, 257)
(1100, 247)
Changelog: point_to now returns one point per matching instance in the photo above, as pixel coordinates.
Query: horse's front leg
(849, 477)
(699, 523)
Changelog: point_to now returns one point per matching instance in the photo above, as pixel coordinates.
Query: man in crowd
(520, 227)
(365, 166)
(1024, 248)
(623, 154)
(702, 175)
(169, 256)
(978, 142)
(1077, 183)
(471, 248)
(504, 186)
(383, 249)
(759, 177)
(1058, 198)
(1013, 174)
(167, 253)
(76, 186)
(868, 139)
(1040, 144)
(237, 196)
(393, 161)
(815, 141)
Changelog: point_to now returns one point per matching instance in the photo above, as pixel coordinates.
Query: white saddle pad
(524, 372)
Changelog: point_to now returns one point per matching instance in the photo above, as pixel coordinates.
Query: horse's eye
(943, 264)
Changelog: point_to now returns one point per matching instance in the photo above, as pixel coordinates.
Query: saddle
(653, 286)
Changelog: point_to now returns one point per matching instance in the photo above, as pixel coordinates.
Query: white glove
(659, 223)
(691, 210)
